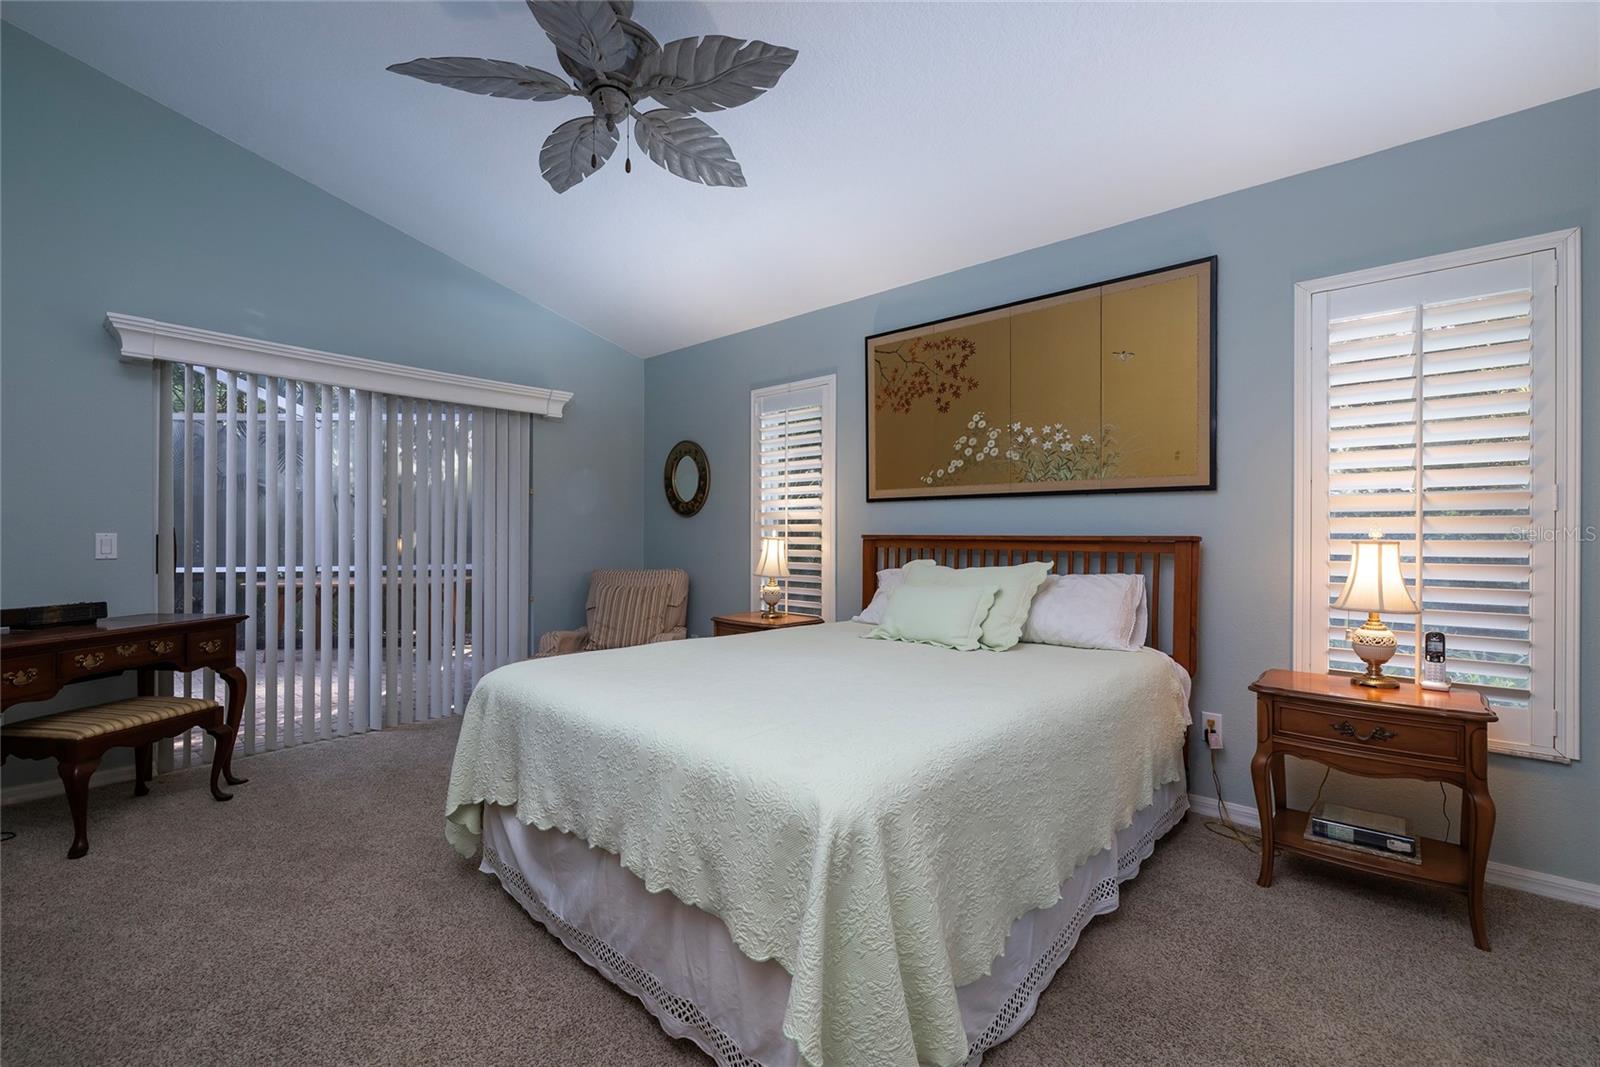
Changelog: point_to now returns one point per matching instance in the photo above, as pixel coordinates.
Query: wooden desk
(1407, 732)
(37, 664)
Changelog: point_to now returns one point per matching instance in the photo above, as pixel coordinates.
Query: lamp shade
(1375, 582)
(774, 562)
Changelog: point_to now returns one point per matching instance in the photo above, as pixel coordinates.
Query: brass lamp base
(1375, 679)
(1375, 644)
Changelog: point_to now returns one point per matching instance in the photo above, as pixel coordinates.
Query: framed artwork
(1105, 388)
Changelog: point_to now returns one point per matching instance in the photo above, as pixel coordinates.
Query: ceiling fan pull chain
(627, 147)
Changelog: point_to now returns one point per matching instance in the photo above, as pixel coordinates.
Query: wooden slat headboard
(1170, 566)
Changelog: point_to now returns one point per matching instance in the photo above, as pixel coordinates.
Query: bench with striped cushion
(81, 724)
(77, 739)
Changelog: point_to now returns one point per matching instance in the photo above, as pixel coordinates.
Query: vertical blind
(792, 427)
(1432, 387)
(377, 545)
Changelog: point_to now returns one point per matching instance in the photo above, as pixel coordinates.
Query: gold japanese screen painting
(1103, 388)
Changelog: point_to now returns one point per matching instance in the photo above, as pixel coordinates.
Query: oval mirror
(688, 478)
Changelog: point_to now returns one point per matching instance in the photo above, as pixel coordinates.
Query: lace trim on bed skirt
(682, 1018)
(690, 1022)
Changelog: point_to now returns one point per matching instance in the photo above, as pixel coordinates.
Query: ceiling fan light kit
(615, 64)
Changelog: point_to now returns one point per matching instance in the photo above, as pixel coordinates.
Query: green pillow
(951, 617)
(1003, 626)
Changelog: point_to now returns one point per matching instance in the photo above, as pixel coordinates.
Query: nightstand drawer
(1369, 736)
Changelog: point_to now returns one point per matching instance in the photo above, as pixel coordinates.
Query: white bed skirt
(681, 963)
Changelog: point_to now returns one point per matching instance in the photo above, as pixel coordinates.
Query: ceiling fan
(615, 63)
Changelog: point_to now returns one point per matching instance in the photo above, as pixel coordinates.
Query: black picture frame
(1210, 484)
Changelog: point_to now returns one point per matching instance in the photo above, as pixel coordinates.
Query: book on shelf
(1364, 831)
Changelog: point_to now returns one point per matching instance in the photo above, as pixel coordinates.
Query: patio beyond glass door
(378, 545)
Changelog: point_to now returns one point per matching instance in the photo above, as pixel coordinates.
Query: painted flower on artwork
(1044, 453)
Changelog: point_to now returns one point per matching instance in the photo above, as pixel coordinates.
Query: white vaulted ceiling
(908, 140)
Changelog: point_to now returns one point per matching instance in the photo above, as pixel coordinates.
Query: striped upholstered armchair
(626, 608)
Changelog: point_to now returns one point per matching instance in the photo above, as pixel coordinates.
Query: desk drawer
(27, 676)
(101, 659)
(211, 646)
(1370, 737)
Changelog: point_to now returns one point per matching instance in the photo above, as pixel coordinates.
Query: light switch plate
(105, 546)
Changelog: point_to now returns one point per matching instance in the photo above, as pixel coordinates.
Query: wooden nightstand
(751, 622)
(1407, 732)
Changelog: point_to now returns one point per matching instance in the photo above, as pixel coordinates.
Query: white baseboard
(1545, 885)
(1538, 883)
(51, 787)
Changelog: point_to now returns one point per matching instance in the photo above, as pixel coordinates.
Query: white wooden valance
(146, 340)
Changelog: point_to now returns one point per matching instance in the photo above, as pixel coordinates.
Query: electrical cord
(1223, 826)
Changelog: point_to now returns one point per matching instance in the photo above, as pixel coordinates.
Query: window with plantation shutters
(791, 492)
(1432, 413)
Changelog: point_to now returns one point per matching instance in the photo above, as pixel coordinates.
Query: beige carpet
(319, 917)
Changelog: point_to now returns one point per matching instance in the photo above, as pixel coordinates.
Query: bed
(806, 848)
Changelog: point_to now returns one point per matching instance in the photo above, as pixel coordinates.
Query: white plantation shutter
(1433, 401)
(792, 428)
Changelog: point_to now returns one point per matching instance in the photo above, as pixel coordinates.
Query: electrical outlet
(1213, 729)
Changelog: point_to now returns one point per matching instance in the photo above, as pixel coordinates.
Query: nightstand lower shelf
(1442, 863)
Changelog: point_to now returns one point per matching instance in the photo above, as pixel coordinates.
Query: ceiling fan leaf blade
(574, 150)
(712, 73)
(623, 8)
(645, 45)
(487, 77)
(587, 32)
(687, 147)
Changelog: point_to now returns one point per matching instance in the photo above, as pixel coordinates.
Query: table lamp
(774, 564)
(1374, 585)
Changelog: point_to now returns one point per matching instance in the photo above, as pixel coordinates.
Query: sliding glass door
(377, 544)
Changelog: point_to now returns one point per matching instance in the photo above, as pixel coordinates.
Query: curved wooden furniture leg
(75, 776)
(1477, 828)
(1260, 774)
(142, 759)
(238, 690)
(218, 757)
(1478, 858)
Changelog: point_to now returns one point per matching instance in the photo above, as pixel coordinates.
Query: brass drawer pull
(211, 647)
(1378, 733)
(161, 648)
(21, 677)
(89, 660)
(127, 650)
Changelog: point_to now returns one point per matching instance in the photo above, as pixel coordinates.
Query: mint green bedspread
(872, 815)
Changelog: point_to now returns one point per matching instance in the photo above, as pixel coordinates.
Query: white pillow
(1088, 611)
(1141, 620)
(888, 581)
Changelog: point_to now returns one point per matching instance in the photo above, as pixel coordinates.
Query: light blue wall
(111, 202)
(1524, 174)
